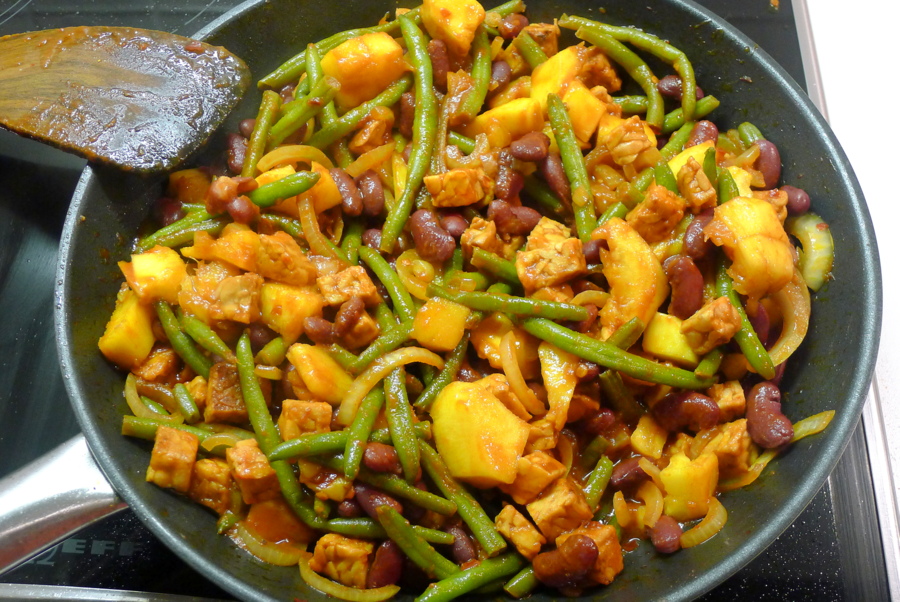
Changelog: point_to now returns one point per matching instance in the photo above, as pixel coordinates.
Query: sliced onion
(711, 524)
(793, 301)
(752, 473)
(219, 440)
(293, 153)
(652, 497)
(510, 363)
(318, 242)
(370, 160)
(341, 591)
(415, 273)
(268, 372)
(653, 471)
(589, 297)
(141, 409)
(812, 425)
(565, 445)
(376, 372)
(279, 554)
(620, 507)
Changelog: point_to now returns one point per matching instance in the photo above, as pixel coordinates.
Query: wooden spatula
(141, 100)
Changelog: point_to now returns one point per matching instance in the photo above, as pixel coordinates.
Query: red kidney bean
(587, 370)
(351, 197)
(779, 374)
(319, 330)
(372, 238)
(586, 324)
(509, 181)
(454, 223)
(349, 509)
(246, 127)
(766, 424)
(666, 535)
(369, 185)
(798, 200)
(440, 63)
(501, 74)
(670, 87)
(468, 374)
(387, 566)
(512, 24)
(463, 549)
(511, 219)
(703, 131)
(568, 564)
(260, 335)
(381, 457)
(627, 474)
(591, 250)
(695, 244)
(287, 93)
(370, 499)
(686, 409)
(769, 162)
(533, 146)
(761, 324)
(407, 113)
(687, 286)
(599, 422)
(555, 175)
(348, 315)
(433, 243)
(235, 151)
(242, 210)
(168, 211)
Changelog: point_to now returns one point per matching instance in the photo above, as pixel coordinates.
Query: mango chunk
(584, 108)
(324, 193)
(663, 338)
(454, 22)
(155, 274)
(558, 71)
(689, 485)
(440, 324)
(478, 437)
(696, 152)
(649, 438)
(364, 66)
(188, 185)
(284, 308)
(128, 338)
(508, 122)
(321, 374)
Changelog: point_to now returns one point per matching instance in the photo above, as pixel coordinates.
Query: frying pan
(832, 369)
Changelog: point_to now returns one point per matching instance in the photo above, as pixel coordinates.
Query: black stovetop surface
(832, 552)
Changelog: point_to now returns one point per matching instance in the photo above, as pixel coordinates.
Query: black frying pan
(832, 370)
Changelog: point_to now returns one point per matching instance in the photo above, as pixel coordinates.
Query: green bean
(664, 177)
(228, 520)
(322, 508)
(749, 133)
(387, 341)
(481, 76)
(710, 168)
(400, 419)
(403, 303)
(367, 528)
(447, 375)
(292, 185)
(542, 195)
(317, 444)
(619, 397)
(459, 279)
(522, 306)
(181, 343)
(650, 43)
(591, 453)
(636, 68)
(747, 339)
(496, 266)
(183, 237)
(631, 105)
(509, 7)
(424, 127)
(256, 145)
(349, 120)
(500, 288)
(573, 163)
(272, 353)
(728, 188)
(677, 141)
(191, 219)
(268, 437)
(302, 110)
(467, 507)
(329, 115)
(360, 429)
(469, 580)
(675, 119)
(597, 481)
(347, 359)
(618, 210)
(627, 334)
(610, 356)
(522, 584)
(456, 262)
(465, 144)
(205, 336)
(414, 546)
(155, 406)
(145, 428)
(289, 224)
(352, 239)
(530, 50)
(186, 404)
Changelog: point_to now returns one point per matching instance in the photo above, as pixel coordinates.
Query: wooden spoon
(141, 100)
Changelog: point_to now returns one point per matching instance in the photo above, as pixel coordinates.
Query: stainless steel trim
(57, 593)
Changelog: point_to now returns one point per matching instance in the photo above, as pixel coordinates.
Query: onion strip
(268, 372)
(793, 301)
(711, 524)
(340, 591)
(376, 372)
(219, 440)
(589, 297)
(812, 425)
(752, 473)
(279, 554)
(370, 160)
(141, 409)
(293, 153)
(652, 497)
(510, 364)
(318, 242)
(653, 471)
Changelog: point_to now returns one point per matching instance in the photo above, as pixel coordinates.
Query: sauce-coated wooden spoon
(140, 100)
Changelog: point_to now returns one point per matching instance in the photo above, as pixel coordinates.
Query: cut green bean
(747, 339)
(352, 239)
(446, 376)
(710, 169)
(675, 119)
(360, 429)
(387, 341)
(541, 194)
(288, 186)
(469, 509)
(272, 353)
(573, 164)
(333, 442)
(677, 141)
(522, 306)
(500, 288)
(619, 397)
(467, 281)
(664, 177)
(424, 127)
(145, 428)
(367, 528)
(481, 76)
(610, 356)
(186, 404)
(710, 363)
(302, 110)
(591, 453)
(618, 210)
(496, 266)
(631, 105)
(347, 359)
(181, 342)
(256, 145)
(530, 50)
(728, 188)
(597, 482)
(522, 584)
(414, 546)
(182, 237)
(627, 334)
(403, 303)
(749, 133)
(205, 336)
(191, 219)
(289, 224)
(400, 419)
(484, 573)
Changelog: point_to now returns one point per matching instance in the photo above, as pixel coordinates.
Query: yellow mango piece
(741, 179)
(324, 193)
(584, 108)
(237, 244)
(689, 485)
(663, 338)
(648, 438)
(284, 308)
(453, 21)
(558, 370)
(478, 437)
(155, 274)
(696, 152)
(508, 122)
(440, 324)
(518, 88)
(128, 338)
(321, 374)
(188, 185)
(273, 175)
(559, 70)
(364, 66)
(486, 336)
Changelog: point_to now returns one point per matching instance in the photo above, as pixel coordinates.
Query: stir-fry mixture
(457, 311)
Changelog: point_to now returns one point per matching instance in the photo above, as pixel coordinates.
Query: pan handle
(50, 498)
